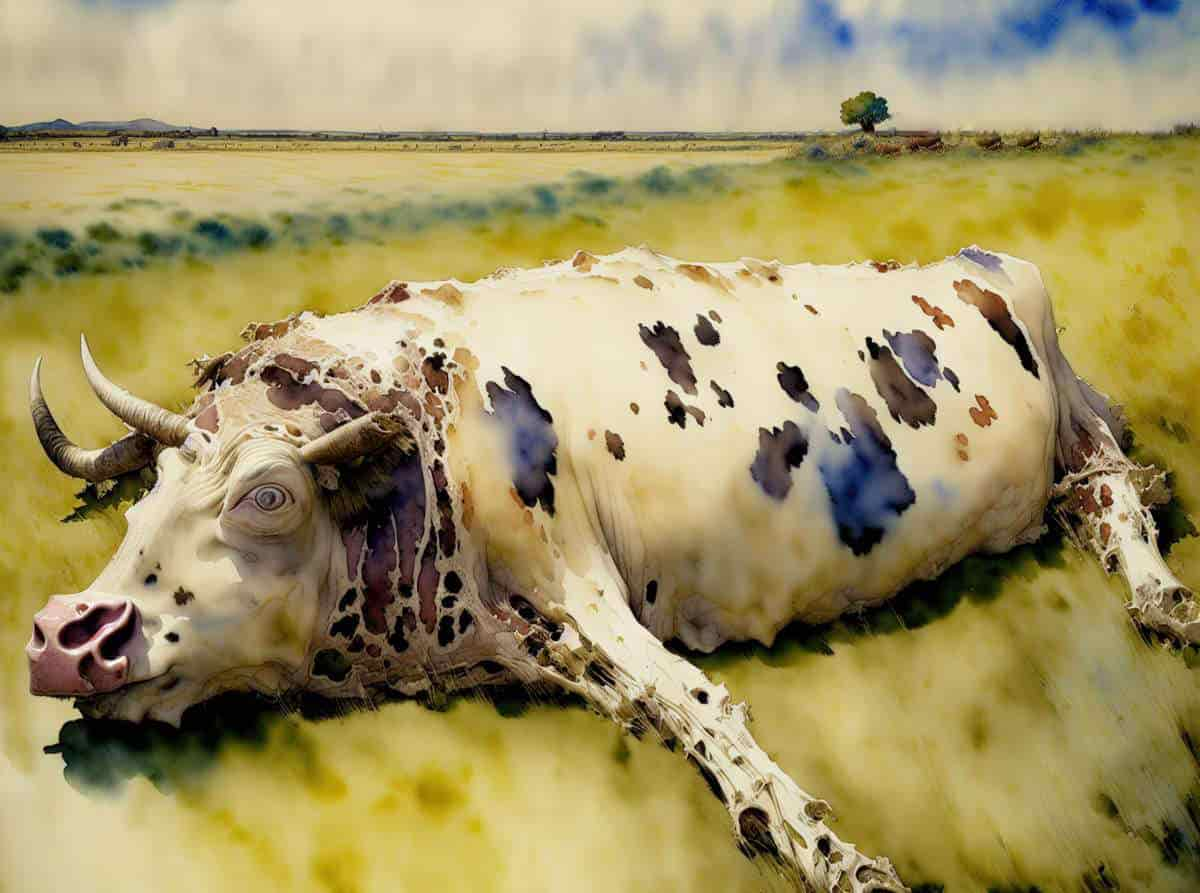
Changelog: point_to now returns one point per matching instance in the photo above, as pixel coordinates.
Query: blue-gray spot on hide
(906, 401)
(985, 259)
(918, 353)
(866, 488)
(531, 439)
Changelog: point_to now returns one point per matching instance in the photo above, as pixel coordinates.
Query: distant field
(244, 144)
(1001, 729)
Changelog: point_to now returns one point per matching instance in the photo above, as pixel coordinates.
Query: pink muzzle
(82, 646)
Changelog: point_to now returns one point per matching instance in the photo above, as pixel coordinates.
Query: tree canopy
(866, 110)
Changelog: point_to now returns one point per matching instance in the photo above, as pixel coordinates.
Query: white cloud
(363, 64)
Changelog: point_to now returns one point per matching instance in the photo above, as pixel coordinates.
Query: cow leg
(603, 654)
(1104, 500)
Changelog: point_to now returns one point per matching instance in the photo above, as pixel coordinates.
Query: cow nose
(82, 646)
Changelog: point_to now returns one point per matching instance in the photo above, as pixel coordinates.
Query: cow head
(235, 561)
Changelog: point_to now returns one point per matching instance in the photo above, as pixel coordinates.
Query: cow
(541, 477)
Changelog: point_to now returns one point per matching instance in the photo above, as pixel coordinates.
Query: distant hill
(147, 125)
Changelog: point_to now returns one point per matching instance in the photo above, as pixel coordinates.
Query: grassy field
(1001, 729)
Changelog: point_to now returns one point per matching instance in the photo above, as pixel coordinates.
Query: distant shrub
(103, 232)
(56, 238)
(1191, 128)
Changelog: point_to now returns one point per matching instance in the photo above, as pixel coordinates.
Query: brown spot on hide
(377, 571)
(634, 408)
(583, 262)
(906, 401)
(591, 434)
(433, 368)
(183, 596)
(1083, 500)
(468, 506)
(995, 311)
(206, 370)
(234, 370)
(755, 830)
(209, 418)
(940, 317)
(261, 331)
(615, 445)
(392, 293)
(395, 522)
(714, 316)
(446, 293)
(885, 266)
(664, 341)
(961, 439)
(1106, 499)
(643, 281)
(447, 536)
(284, 377)
(794, 384)
(1105, 533)
(427, 586)
(706, 334)
(696, 413)
(779, 451)
(724, 398)
(676, 413)
(962, 454)
(702, 274)
(811, 309)
(984, 415)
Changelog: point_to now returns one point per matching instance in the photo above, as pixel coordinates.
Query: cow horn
(166, 427)
(366, 434)
(128, 454)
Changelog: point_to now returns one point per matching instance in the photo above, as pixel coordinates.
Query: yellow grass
(1024, 735)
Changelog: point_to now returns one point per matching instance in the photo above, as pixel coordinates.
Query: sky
(612, 65)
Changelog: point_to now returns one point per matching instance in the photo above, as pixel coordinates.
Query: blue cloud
(799, 32)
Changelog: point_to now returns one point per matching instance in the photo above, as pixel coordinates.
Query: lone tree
(866, 110)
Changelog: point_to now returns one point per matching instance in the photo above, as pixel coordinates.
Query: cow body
(543, 476)
(676, 392)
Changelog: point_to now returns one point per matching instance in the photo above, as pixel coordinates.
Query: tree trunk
(867, 126)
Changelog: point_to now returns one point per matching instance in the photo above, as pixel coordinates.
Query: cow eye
(270, 497)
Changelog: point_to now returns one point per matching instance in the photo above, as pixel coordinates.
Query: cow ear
(350, 488)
